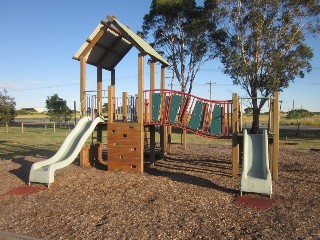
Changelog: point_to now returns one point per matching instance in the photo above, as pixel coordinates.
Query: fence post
(7, 128)
(54, 127)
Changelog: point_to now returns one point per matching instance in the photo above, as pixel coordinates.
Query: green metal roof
(138, 42)
(107, 45)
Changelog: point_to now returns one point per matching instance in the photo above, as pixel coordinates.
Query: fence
(36, 127)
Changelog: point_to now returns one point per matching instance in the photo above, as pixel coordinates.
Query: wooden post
(113, 77)
(140, 104)
(54, 127)
(163, 129)
(235, 130)
(124, 106)
(83, 63)
(275, 148)
(152, 145)
(146, 110)
(184, 138)
(99, 90)
(152, 128)
(140, 87)
(22, 127)
(110, 103)
(84, 156)
(169, 139)
(7, 128)
(152, 85)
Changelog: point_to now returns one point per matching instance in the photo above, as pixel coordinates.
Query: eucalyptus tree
(264, 46)
(179, 30)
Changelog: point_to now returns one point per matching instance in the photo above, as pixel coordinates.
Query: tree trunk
(255, 117)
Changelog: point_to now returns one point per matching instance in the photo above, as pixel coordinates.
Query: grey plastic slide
(43, 172)
(256, 176)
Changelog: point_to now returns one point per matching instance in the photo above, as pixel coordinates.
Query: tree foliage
(248, 111)
(264, 47)
(299, 113)
(58, 111)
(180, 31)
(7, 107)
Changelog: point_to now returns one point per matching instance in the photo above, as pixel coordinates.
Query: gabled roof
(107, 45)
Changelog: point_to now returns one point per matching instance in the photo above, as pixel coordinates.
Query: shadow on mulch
(190, 179)
(255, 202)
(24, 170)
(222, 168)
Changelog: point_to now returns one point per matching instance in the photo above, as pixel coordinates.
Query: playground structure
(132, 118)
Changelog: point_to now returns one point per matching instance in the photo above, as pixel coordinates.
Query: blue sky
(39, 38)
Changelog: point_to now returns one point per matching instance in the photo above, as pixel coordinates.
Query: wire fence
(36, 127)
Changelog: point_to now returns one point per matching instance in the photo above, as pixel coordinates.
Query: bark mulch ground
(187, 195)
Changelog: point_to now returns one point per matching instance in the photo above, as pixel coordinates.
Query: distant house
(39, 110)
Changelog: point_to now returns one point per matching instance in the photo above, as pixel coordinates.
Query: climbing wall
(125, 149)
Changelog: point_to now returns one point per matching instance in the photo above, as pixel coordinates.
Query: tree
(180, 31)
(264, 48)
(7, 107)
(58, 110)
(299, 113)
(248, 110)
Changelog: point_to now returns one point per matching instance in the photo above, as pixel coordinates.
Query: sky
(39, 38)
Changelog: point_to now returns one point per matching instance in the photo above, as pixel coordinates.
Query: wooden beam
(128, 37)
(235, 131)
(99, 90)
(82, 86)
(94, 41)
(275, 126)
(108, 24)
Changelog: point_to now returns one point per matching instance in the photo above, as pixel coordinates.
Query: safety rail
(125, 110)
(210, 118)
(94, 102)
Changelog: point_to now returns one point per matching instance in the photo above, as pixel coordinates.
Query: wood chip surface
(187, 195)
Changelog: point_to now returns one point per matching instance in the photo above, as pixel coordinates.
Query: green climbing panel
(195, 122)
(156, 103)
(174, 107)
(216, 123)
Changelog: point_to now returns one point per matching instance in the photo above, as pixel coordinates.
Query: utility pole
(293, 104)
(172, 78)
(211, 83)
(280, 104)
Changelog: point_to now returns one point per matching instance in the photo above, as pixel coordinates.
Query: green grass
(313, 121)
(36, 141)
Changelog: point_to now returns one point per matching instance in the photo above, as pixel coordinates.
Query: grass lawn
(40, 141)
